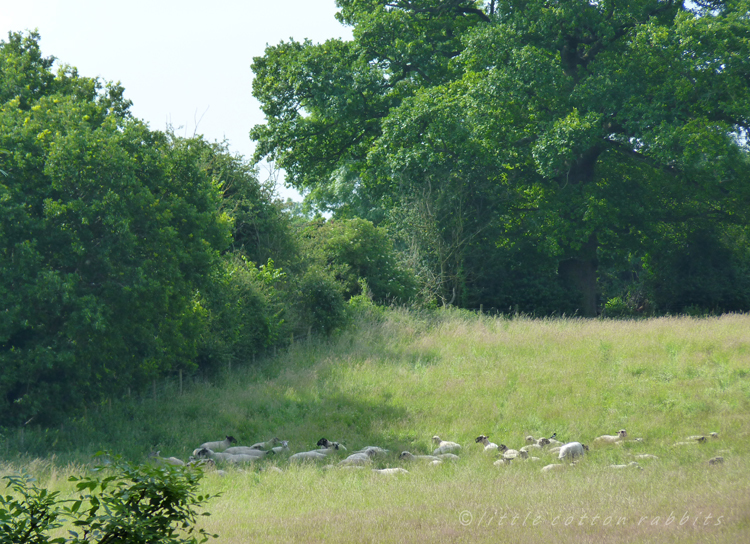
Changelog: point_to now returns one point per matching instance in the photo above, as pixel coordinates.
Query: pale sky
(184, 62)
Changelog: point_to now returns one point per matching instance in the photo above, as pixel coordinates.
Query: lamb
(488, 446)
(220, 445)
(444, 446)
(632, 464)
(572, 450)
(611, 439)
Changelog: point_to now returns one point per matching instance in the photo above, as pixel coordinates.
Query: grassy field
(398, 380)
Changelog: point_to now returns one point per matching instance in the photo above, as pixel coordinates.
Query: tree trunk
(579, 273)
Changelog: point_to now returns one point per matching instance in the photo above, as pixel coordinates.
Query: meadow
(398, 378)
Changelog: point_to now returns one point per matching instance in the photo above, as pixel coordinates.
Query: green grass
(397, 381)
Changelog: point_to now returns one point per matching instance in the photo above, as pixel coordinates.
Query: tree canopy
(576, 127)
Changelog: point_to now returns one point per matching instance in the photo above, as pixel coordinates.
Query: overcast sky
(184, 62)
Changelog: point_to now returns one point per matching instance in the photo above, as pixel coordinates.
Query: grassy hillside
(400, 378)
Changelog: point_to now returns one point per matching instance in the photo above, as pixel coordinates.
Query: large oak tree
(578, 125)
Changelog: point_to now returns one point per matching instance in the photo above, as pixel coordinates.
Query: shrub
(137, 504)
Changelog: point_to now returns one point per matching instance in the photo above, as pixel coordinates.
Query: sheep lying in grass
(645, 456)
(572, 450)
(699, 437)
(632, 464)
(716, 460)
(204, 453)
(407, 456)
(281, 449)
(696, 440)
(220, 445)
(390, 471)
(358, 458)
(174, 461)
(444, 446)
(307, 456)
(554, 467)
(325, 443)
(488, 446)
(267, 445)
(611, 439)
(375, 449)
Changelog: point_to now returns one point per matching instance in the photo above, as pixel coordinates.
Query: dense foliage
(124, 503)
(583, 130)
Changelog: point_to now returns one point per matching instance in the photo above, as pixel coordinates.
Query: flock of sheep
(568, 454)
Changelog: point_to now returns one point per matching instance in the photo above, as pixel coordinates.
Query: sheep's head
(523, 454)
(530, 440)
(231, 439)
(481, 438)
(702, 439)
(502, 447)
(714, 435)
(436, 439)
(324, 442)
(405, 455)
(543, 441)
(202, 453)
(622, 433)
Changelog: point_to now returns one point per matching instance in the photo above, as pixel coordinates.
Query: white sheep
(218, 446)
(174, 461)
(645, 456)
(281, 449)
(632, 464)
(488, 446)
(267, 445)
(554, 466)
(358, 459)
(444, 446)
(611, 439)
(390, 471)
(325, 443)
(375, 449)
(245, 450)
(407, 456)
(307, 456)
(696, 440)
(572, 450)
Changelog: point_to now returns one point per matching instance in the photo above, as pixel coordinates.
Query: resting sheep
(407, 456)
(444, 446)
(572, 450)
(632, 464)
(267, 445)
(307, 456)
(611, 439)
(325, 443)
(488, 446)
(220, 445)
(174, 461)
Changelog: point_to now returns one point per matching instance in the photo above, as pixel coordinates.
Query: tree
(107, 230)
(582, 125)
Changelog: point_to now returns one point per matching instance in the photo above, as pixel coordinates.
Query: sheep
(611, 439)
(405, 455)
(267, 445)
(716, 460)
(245, 450)
(444, 446)
(554, 466)
(202, 463)
(529, 447)
(174, 461)
(450, 456)
(375, 449)
(221, 445)
(645, 456)
(203, 453)
(324, 442)
(530, 440)
(698, 437)
(511, 454)
(488, 446)
(390, 471)
(697, 440)
(245, 458)
(502, 461)
(358, 458)
(632, 464)
(283, 448)
(572, 450)
(307, 456)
